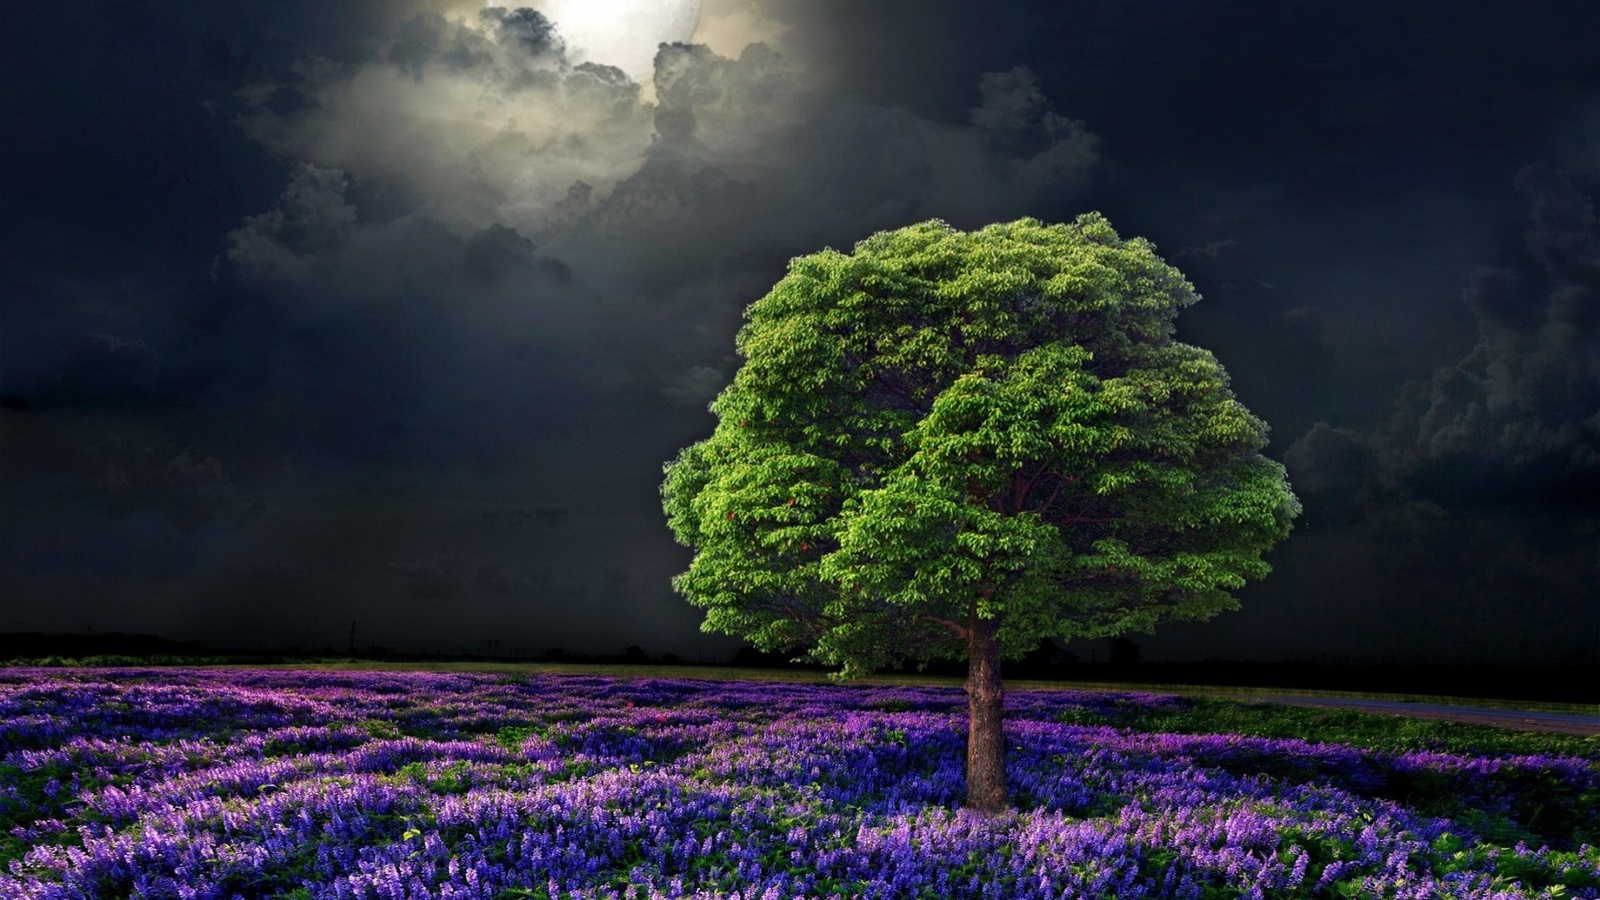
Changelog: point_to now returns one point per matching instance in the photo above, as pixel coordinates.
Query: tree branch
(1054, 492)
(959, 630)
(1022, 486)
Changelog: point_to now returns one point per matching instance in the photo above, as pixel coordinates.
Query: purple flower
(217, 784)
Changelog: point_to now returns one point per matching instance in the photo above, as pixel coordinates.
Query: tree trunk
(986, 742)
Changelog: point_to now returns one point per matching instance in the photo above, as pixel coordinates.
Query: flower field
(196, 783)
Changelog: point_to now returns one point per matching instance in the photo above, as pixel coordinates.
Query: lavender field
(319, 784)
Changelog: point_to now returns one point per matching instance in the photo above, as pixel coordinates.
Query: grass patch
(1375, 731)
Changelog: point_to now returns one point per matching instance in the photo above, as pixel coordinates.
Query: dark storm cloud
(652, 219)
(1272, 342)
(387, 311)
(1519, 417)
(1476, 500)
(310, 221)
(515, 517)
(571, 157)
(121, 168)
(492, 293)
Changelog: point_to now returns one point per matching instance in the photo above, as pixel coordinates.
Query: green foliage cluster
(949, 425)
(44, 792)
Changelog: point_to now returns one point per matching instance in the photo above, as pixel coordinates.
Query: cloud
(497, 251)
(310, 221)
(363, 323)
(515, 517)
(502, 579)
(494, 269)
(492, 272)
(471, 214)
(1209, 252)
(481, 119)
(1526, 402)
(1340, 467)
(438, 577)
(485, 121)
(136, 349)
(1041, 148)
(695, 387)
(1520, 414)
(1475, 498)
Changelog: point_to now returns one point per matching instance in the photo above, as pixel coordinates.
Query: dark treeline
(1122, 665)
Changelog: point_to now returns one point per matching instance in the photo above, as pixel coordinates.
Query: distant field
(735, 673)
(1266, 688)
(513, 781)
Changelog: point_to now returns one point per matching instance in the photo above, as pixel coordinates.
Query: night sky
(384, 312)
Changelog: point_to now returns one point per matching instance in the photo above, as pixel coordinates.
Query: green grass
(1377, 731)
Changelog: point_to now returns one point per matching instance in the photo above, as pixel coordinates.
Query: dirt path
(1521, 719)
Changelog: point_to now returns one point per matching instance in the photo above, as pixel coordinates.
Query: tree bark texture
(986, 742)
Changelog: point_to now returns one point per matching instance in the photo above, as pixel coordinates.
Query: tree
(952, 444)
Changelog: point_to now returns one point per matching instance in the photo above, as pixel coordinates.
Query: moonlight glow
(621, 33)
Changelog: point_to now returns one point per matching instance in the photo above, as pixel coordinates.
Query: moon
(621, 33)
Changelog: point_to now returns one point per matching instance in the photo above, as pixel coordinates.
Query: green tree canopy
(954, 444)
